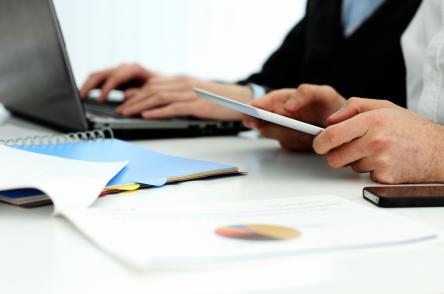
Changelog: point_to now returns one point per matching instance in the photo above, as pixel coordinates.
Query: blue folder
(24, 197)
(145, 166)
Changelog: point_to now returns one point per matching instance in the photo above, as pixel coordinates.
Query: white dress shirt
(423, 47)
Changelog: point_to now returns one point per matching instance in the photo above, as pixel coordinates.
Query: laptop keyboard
(109, 111)
(105, 110)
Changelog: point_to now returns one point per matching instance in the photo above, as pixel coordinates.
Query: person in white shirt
(394, 144)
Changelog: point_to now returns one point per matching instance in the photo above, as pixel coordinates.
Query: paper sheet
(71, 184)
(182, 236)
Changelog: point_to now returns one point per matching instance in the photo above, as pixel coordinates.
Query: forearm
(239, 93)
(437, 162)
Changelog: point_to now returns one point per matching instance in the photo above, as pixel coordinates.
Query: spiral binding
(70, 138)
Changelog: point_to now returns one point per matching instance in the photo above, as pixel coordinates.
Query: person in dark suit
(351, 45)
(366, 62)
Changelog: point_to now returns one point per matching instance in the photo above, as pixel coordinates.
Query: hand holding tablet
(260, 113)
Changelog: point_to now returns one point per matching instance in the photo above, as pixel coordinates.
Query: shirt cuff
(258, 91)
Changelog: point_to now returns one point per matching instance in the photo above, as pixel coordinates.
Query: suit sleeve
(282, 67)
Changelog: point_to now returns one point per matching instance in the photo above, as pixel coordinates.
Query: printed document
(237, 231)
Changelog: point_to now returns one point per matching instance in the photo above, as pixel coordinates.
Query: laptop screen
(35, 75)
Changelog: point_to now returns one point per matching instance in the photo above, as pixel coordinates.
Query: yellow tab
(128, 187)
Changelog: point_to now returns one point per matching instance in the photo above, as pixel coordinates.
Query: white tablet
(260, 113)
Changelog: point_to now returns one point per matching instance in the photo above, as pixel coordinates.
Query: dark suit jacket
(368, 63)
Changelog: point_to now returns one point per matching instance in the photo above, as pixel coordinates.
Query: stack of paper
(243, 230)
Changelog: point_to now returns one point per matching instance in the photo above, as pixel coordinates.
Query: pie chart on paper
(258, 232)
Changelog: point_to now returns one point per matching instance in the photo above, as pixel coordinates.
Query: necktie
(356, 12)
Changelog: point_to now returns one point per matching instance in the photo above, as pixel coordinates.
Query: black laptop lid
(35, 75)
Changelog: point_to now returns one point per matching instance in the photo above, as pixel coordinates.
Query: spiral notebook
(145, 168)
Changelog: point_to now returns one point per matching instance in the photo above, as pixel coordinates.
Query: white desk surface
(43, 254)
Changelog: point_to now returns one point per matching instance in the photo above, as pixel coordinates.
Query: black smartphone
(405, 196)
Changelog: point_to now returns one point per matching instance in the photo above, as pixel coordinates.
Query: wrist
(437, 154)
(246, 94)
(239, 93)
(201, 84)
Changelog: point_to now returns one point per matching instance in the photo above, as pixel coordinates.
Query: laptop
(37, 83)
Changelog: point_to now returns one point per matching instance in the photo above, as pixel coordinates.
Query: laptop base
(177, 133)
